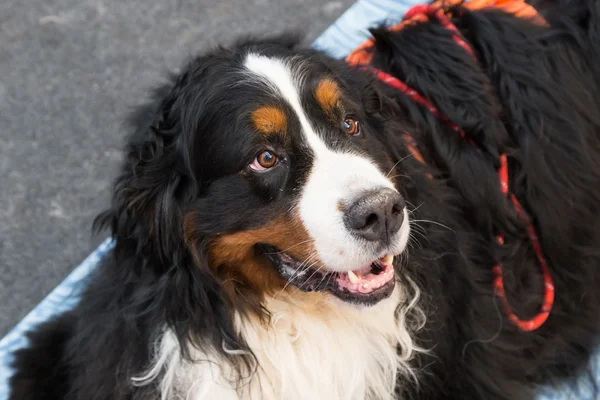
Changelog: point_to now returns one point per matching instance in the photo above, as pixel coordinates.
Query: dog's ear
(155, 180)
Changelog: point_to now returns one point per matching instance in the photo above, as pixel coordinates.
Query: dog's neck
(315, 346)
(312, 347)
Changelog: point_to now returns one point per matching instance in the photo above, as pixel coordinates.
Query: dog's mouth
(365, 286)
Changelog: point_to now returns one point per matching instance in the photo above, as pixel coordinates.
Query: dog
(288, 226)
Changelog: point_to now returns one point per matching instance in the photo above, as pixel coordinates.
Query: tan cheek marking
(245, 275)
(327, 94)
(269, 120)
(236, 250)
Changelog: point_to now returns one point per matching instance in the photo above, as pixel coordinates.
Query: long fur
(303, 331)
(157, 322)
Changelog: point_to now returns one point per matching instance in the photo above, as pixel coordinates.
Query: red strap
(414, 96)
(548, 301)
(437, 13)
(534, 323)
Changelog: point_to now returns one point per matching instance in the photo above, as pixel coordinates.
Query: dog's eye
(265, 160)
(351, 127)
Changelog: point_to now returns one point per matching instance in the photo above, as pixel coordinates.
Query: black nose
(376, 216)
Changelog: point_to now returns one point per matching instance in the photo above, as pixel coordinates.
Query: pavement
(69, 72)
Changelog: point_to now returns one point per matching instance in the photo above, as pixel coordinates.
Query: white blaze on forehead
(335, 178)
(280, 77)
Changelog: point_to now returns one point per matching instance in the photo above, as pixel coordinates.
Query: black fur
(533, 94)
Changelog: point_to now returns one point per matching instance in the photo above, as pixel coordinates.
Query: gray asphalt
(69, 71)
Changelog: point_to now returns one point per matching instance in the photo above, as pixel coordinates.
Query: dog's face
(293, 180)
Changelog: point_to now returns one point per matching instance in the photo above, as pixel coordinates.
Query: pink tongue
(367, 282)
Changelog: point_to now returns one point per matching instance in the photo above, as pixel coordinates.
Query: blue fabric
(62, 298)
(338, 40)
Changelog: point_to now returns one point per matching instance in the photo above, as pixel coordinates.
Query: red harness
(423, 13)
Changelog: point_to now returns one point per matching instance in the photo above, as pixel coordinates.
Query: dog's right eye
(351, 126)
(265, 160)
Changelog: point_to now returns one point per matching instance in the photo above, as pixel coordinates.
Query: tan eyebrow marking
(327, 94)
(269, 119)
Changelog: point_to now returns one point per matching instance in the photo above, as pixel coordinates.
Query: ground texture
(69, 71)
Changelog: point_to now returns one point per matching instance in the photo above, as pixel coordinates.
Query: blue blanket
(338, 40)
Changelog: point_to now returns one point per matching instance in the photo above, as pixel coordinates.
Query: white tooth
(366, 285)
(388, 259)
(352, 276)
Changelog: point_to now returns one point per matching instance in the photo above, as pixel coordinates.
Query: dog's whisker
(414, 208)
(434, 223)
(416, 226)
(329, 280)
(300, 269)
(416, 240)
(291, 247)
(298, 288)
(423, 234)
(395, 165)
(296, 272)
(419, 230)
(313, 274)
(439, 256)
(397, 175)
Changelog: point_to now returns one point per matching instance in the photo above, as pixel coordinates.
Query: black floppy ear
(155, 180)
(375, 98)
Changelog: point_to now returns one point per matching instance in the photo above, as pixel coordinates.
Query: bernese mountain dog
(278, 237)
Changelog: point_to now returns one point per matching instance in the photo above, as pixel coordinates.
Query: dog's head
(267, 165)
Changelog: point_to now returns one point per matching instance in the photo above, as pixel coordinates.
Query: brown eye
(351, 127)
(265, 160)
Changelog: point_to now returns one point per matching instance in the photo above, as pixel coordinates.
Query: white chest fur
(313, 348)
